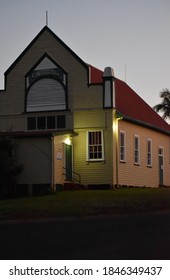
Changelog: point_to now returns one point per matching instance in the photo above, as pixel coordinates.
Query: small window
(122, 146)
(95, 145)
(137, 150)
(149, 152)
(41, 123)
(51, 122)
(46, 122)
(31, 123)
(61, 122)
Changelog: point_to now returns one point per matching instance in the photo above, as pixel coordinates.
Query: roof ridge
(35, 39)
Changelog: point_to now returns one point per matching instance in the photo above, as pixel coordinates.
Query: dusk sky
(132, 36)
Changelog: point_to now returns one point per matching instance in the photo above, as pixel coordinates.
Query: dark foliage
(164, 106)
(9, 168)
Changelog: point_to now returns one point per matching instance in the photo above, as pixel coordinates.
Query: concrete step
(69, 186)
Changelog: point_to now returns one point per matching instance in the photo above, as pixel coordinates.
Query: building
(75, 123)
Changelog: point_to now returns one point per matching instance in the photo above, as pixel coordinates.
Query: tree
(164, 106)
(9, 168)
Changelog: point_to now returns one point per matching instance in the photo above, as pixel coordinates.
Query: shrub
(9, 168)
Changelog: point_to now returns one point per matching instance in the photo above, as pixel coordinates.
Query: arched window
(46, 94)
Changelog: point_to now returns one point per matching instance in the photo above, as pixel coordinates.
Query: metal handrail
(75, 176)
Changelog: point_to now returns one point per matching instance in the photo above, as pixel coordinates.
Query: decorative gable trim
(45, 29)
(53, 69)
(46, 86)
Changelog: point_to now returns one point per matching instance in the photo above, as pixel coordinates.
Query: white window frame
(161, 148)
(137, 150)
(162, 151)
(122, 148)
(95, 145)
(149, 153)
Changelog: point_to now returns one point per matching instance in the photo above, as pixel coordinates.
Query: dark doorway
(68, 155)
(161, 166)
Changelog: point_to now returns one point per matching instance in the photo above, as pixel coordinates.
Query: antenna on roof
(47, 18)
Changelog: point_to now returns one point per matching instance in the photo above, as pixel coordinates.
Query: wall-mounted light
(117, 117)
(67, 141)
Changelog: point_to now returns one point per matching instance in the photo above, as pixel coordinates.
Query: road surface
(144, 236)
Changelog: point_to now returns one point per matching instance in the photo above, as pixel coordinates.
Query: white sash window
(95, 146)
(122, 146)
(136, 150)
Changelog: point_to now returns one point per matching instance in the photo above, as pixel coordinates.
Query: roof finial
(47, 18)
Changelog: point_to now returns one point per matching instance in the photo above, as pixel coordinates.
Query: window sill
(137, 164)
(95, 161)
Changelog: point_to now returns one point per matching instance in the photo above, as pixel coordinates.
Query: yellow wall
(142, 175)
(97, 172)
(59, 159)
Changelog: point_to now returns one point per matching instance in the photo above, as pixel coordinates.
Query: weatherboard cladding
(98, 172)
(85, 94)
(49, 32)
(127, 101)
(92, 120)
(59, 159)
(78, 75)
(142, 175)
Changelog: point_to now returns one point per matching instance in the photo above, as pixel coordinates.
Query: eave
(147, 125)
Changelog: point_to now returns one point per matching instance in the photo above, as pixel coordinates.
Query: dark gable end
(46, 29)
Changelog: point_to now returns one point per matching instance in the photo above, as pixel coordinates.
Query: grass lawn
(83, 203)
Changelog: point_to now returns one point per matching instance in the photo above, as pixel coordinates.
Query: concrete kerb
(79, 218)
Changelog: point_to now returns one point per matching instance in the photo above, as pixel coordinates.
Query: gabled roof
(45, 29)
(128, 102)
(131, 105)
(135, 109)
(96, 75)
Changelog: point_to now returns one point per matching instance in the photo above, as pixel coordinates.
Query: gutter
(147, 125)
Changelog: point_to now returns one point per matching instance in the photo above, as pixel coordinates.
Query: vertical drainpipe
(52, 165)
(117, 155)
(109, 101)
(118, 116)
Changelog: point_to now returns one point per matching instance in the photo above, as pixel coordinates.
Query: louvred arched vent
(46, 94)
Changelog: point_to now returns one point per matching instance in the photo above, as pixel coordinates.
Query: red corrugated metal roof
(130, 104)
(96, 75)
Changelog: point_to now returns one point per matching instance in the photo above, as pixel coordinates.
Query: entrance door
(68, 157)
(161, 166)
